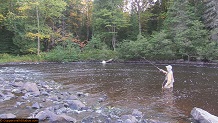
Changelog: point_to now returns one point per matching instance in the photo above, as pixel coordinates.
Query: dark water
(135, 86)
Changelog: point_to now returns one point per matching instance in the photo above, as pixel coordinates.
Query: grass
(5, 58)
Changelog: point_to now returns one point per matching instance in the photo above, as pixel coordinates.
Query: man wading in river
(169, 79)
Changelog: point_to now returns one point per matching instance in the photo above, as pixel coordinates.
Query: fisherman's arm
(163, 71)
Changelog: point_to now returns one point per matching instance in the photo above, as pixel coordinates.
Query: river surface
(133, 85)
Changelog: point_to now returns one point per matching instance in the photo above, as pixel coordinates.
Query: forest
(91, 30)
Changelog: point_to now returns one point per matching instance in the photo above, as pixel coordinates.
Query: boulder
(54, 118)
(203, 116)
(42, 115)
(75, 104)
(31, 87)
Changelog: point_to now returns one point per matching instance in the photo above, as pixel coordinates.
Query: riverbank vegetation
(87, 30)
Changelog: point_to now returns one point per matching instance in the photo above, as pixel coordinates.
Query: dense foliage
(81, 30)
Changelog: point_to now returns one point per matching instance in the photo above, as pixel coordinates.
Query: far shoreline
(118, 61)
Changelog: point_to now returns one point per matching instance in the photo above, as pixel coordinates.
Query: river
(132, 85)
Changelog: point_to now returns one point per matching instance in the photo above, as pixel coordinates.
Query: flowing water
(134, 86)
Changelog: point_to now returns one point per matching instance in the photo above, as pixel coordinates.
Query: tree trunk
(114, 38)
(37, 16)
(87, 22)
(139, 21)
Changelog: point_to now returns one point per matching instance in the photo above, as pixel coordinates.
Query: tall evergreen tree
(186, 31)
(211, 18)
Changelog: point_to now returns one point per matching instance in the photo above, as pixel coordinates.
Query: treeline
(77, 30)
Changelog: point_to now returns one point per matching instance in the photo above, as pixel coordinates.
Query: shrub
(67, 53)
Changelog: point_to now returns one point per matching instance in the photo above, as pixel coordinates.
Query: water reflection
(168, 98)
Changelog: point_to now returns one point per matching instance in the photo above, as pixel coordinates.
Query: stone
(46, 114)
(203, 116)
(16, 90)
(137, 113)
(18, 84)
(67, 118)
(80, 94)
(102, 99)
(36, 105)
(75, 104)
(9, 115)
(54, 118)
(1, 95)
(128, 121)
(42, 115)
(54, 98)
(31, 87)
(73, 97)
(44, 93)
(88, 120)
(131, 118)
(8, 96)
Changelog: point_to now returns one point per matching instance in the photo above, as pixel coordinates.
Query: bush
(67, 53)
(133, 49)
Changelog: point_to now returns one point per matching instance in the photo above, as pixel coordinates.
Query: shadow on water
(138, 86)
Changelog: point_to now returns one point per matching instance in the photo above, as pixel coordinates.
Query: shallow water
(133, 86)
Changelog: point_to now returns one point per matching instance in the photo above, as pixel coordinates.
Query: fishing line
(151, 63)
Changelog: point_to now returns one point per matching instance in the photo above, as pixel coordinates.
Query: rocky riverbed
(24, 97)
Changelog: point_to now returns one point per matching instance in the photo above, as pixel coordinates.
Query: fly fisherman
(169, 79)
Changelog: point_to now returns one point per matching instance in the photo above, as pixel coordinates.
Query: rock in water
(203, 116)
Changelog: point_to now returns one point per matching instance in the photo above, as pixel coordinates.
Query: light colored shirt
(170, 79)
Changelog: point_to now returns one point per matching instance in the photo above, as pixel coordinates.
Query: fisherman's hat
(169, 67)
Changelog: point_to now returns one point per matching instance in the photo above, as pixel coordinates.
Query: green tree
(185, 29)
(73, 16)
(108, 18)
(154, 17)
(139, 6)
(87, 19)
(30, 21)
(210, 17)
(6, 42)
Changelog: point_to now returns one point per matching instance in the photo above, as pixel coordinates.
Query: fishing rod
(151, 63)
(164, 82)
